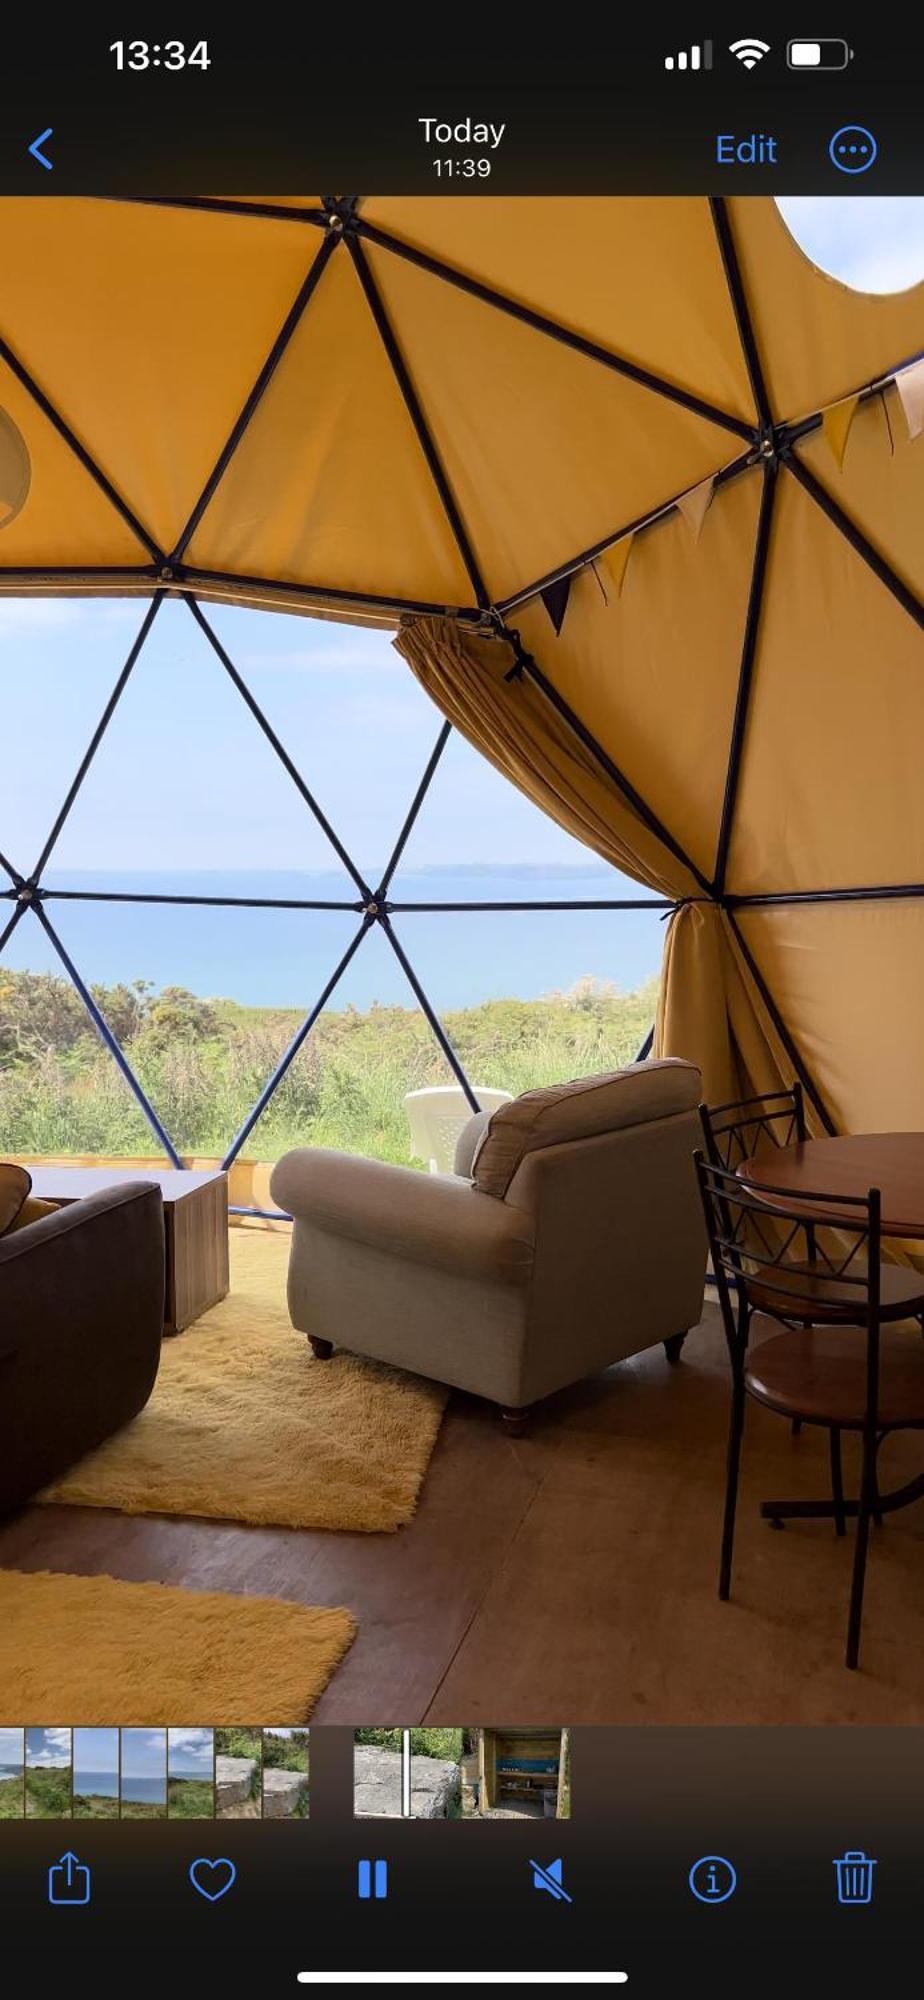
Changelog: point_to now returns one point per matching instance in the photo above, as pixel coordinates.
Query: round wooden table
(893, 1162)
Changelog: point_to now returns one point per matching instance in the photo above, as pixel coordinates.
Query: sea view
(283, 958)
(150, 1791)
(96, 1784)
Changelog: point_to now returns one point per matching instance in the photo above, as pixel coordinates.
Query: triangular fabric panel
(819, 340)
(624, 663)
(330, 485)
(63, 516)
(879, 483)
(569, 261)
(147, 327)
(839, 973)
(547, 452)
(828, 732)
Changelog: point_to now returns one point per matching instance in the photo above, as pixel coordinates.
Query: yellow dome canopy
(639, 484)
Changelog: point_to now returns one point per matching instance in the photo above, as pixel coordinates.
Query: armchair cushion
(580, 1110)
(15, 1184)
(32, 1210)
(430, 1219)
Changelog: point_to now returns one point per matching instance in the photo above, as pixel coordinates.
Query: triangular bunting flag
(616, 561)
(835, 423)
(695, 505)
(15, 470)
(910, 385)
(555, 598)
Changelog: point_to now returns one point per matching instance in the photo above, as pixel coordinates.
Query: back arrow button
(36, 148)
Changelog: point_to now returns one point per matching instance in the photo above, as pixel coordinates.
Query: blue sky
(190, 1753)
(144, 1753)
(11, 1747)
(95, 1751)
(48, 1749)
(874, 242)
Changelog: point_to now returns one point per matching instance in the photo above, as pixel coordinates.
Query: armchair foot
(673, 1347)
(321, 1349)
(515, 1422)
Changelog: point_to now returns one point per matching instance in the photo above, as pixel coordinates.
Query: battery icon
(829, 52)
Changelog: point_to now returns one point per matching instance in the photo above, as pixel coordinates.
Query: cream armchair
(570, 1237)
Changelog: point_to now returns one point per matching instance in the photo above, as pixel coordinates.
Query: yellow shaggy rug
(87, 1650)
(245, 1425)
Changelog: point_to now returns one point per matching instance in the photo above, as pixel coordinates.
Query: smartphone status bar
(298, 110)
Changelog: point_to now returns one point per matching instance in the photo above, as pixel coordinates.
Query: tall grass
(344, 1089)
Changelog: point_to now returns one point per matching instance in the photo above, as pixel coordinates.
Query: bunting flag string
(555, 598)
(910, 385)
(695, 505)
(836, 424)
(616, 561)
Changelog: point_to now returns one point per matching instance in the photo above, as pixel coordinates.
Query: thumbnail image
(285, 1773)
(48, 1774)
(521, 1774)
(409, 1773)
(12, 1767)
(190, 1774)
(144, 1774)
(378, 1773)
(239, 1773)
(462, 1774)
(96, 1774)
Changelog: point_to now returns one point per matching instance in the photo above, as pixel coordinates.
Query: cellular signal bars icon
(698, 57)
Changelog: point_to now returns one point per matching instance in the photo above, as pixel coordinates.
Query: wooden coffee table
(195, 1227)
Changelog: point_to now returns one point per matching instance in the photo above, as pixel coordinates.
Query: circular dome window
(15, 470)
(873, 243)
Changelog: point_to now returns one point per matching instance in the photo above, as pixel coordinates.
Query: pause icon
(372, 1881)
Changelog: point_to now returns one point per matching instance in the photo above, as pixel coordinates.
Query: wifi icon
(749, 51)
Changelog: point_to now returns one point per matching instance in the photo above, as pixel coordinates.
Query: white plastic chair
(437, 1115)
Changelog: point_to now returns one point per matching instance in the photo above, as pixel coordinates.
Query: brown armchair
(81, 1322)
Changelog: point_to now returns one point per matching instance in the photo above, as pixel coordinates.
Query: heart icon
(213, 1879)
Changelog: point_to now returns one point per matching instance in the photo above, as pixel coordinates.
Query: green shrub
(204, 1063)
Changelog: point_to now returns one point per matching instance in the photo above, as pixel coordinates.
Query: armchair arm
(426, 1218)
(81, 1321)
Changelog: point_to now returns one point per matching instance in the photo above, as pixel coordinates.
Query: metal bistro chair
(817, 1370)
(736, 1132)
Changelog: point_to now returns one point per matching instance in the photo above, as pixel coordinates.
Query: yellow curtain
(710, 1010)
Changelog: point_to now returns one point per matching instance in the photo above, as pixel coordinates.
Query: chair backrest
(765, 1246)
(438, 1114)
(753, 1126)
(590, 1107)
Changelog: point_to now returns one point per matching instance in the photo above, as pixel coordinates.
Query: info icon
(712, 1879)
